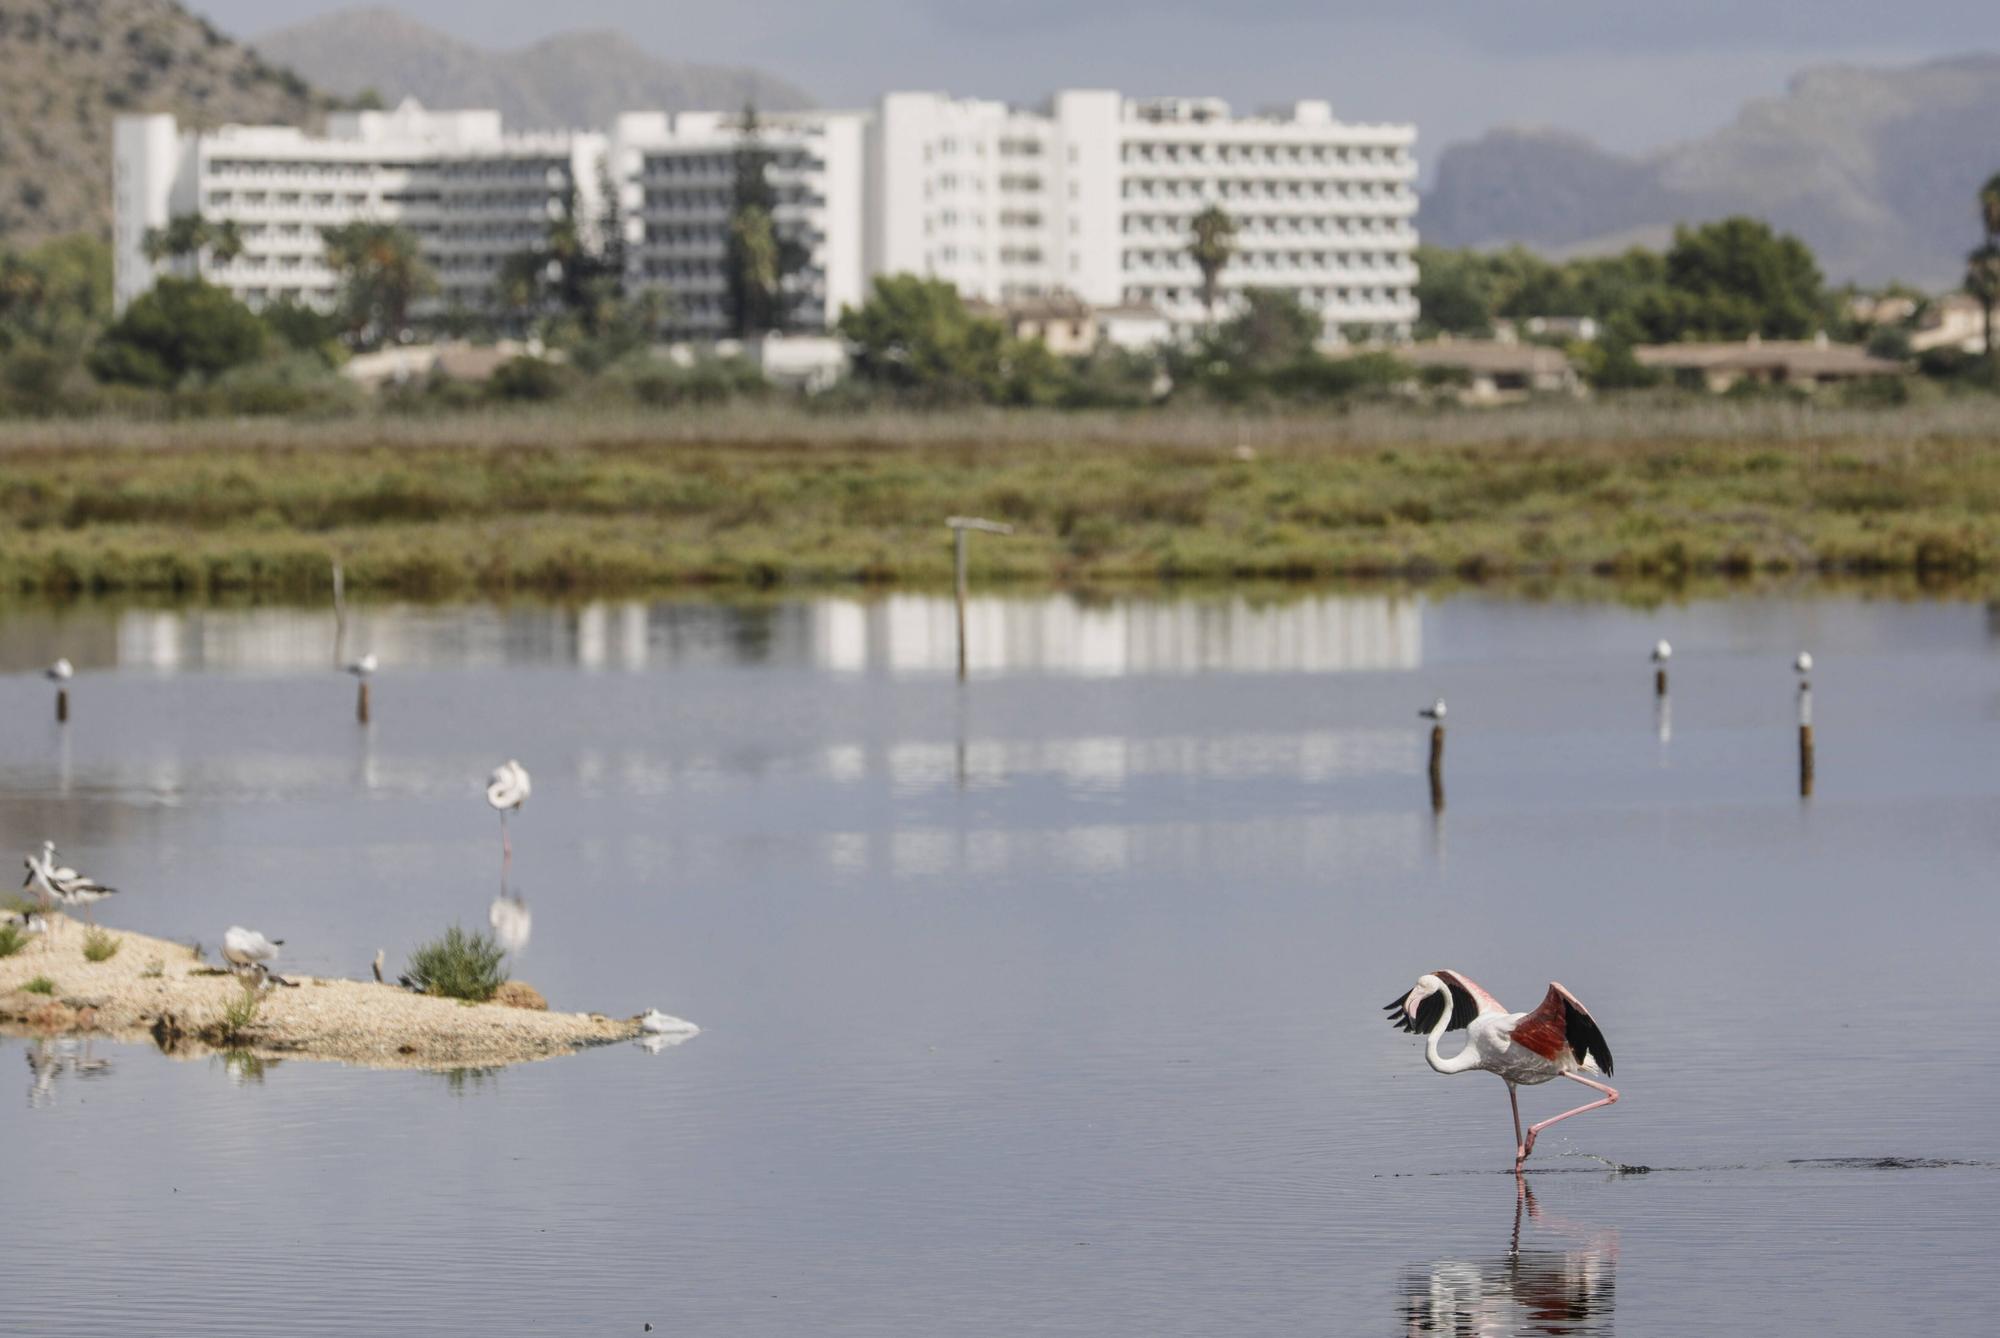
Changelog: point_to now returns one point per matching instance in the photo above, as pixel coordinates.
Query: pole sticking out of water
(361, 703)
(1437, 767)
(62, 706)
(1803, 667)
(959, 525)
(1435, 713)
(1662, 652)
(1805, 741)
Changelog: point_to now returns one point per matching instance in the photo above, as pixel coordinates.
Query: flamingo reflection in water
(1562, 1282)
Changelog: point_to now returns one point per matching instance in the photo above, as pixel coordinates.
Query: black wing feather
(1464, 1008)
(1586, 1041)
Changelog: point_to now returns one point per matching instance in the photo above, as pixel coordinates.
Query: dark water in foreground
(1047, 1006)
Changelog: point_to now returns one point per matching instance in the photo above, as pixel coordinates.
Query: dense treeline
(189, 348)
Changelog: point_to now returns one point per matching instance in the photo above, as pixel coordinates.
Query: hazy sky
(1631, 73)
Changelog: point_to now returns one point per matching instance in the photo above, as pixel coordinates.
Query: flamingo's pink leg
(1610, 1098)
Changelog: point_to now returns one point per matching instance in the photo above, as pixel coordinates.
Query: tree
(1273, 329)
(1989, 208)
(1211, 243)
(759, 258)
(1453, 293)
(382, 273)
(190, 237)
(1733, 278)
(1982, 282)
(915, 336)
(56, 296)
(182, 327)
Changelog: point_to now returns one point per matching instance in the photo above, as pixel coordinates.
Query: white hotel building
(1095, 197)
(1092, 196)
(678, 172)
(470, 193)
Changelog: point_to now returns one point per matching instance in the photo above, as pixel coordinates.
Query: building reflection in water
(1560, 1279)
(1062, 633)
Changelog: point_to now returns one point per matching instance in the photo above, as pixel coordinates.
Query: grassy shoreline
(565, 502)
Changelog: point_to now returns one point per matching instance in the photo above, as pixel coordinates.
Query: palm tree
(383, 273)
(1211, 243)
(1982, 281)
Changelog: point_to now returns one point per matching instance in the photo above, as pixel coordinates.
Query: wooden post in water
(62, 706)
(1805, 741)
(959, 525)
(1660, 682)
(1437, 767)
(361, 703)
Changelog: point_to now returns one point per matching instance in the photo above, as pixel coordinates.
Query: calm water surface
(1050, 1004)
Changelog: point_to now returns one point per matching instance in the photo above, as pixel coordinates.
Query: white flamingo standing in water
(506, 790)
(1559, 1039)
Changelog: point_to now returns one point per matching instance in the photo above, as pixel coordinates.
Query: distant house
(1955, 320)
(1493, 372)
(399, 364)
(1066, 324)
(1135, 327)
(1802, 363)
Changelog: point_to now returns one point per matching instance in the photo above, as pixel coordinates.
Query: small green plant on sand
(40, 985)
(239, 1013)
(458, 966)
(99, 946)
(12, 940)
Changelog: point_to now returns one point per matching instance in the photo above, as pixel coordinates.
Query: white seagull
(511, 922)
(1435, 711)
(1662, 652)
(364, 666)
(1803, 664)
(246, 949)
(506, 790)
(60, 672)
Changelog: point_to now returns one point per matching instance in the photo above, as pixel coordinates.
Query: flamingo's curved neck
(1467, 1058)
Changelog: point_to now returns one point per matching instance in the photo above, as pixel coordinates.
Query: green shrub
(40, 985)
(12, 940)
(459, 966)
(99, 946)
(238, 1014)
(526, 378)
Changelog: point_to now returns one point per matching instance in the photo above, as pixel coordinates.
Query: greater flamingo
(506, 790)
(1558, 1040)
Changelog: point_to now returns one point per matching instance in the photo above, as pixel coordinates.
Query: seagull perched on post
(506, 790)
(364, 666)
(1803, 664)
(1559, 1039)
(1435, 711)
(1662, 652)
(60, 672)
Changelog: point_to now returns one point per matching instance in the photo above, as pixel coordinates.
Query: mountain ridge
(67, 67)
(1874, 167)
(567, 81)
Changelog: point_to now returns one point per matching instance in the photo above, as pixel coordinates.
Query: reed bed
(760, 496)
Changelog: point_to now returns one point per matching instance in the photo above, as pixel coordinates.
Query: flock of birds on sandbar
(250, 953)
